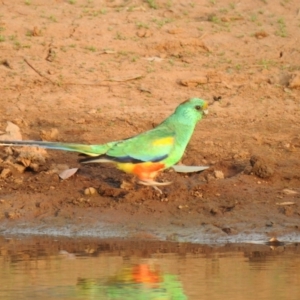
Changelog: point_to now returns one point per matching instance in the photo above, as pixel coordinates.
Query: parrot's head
(192, 110)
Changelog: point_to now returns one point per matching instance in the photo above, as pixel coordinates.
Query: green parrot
(145, 154)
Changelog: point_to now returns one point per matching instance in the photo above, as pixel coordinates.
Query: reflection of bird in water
(143, 274)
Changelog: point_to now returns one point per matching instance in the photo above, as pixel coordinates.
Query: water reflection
(45, 268)
(141, 281)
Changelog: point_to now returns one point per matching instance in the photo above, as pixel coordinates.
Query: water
(49, 268)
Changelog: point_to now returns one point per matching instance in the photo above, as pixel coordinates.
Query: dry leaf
(154, 58)
(188, 169)
(108, 52)
(120, 79)
(289, 192)
(67, 173)
(286, 203)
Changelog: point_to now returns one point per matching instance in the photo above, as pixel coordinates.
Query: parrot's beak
(205, 108)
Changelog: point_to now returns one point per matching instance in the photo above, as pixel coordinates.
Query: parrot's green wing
(154, 145)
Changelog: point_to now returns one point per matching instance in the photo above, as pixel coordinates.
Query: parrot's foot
(151, 182)
(154, 184)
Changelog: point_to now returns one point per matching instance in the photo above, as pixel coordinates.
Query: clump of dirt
(261, 167)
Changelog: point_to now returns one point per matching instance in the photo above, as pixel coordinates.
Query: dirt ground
(94, 71)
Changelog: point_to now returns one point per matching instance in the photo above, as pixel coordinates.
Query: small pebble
(49, 135)
(219, 174)
(19, 168)
(90, 191)
(92, 111)
(5, 173)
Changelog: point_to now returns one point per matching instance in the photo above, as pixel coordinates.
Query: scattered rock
(92, 111)
(6, 64)
(231, 18)
(51, 55)
(155, 58)
(214, 77)
(19, 121)
(144, 89)
(186, 59)
(90, 191)
(180, 47)
(13, 215)
(286, 210)
(5, 173)
(126, 185)
(28, 157)
(209, 177)
(227, 230)
(219, 174)
(194, 81)
(36, 31)
(215, 211)
(49, 135)
(296, 142)
(80, 121)
(281, 79)
(248, 170)
(108, 191)
(12, 133)
(210, 143)
(18, 180)
(34, 166)
(260, 34)
(294, 82)
(197, 194)
(175, 30)
(9, 151)
(144, 33)
(25, 161)
(270, 224)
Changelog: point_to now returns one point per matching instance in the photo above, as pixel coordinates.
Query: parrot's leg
(154, 184)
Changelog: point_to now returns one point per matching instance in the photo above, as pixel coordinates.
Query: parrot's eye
(198, 107)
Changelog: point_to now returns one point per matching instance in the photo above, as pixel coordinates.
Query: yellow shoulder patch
(163, 141)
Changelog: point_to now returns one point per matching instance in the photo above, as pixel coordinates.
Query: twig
(107, 82)
(203, 35)
(38, 72)
(89, 84)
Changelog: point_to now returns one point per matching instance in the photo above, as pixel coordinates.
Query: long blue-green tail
(91, 150)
